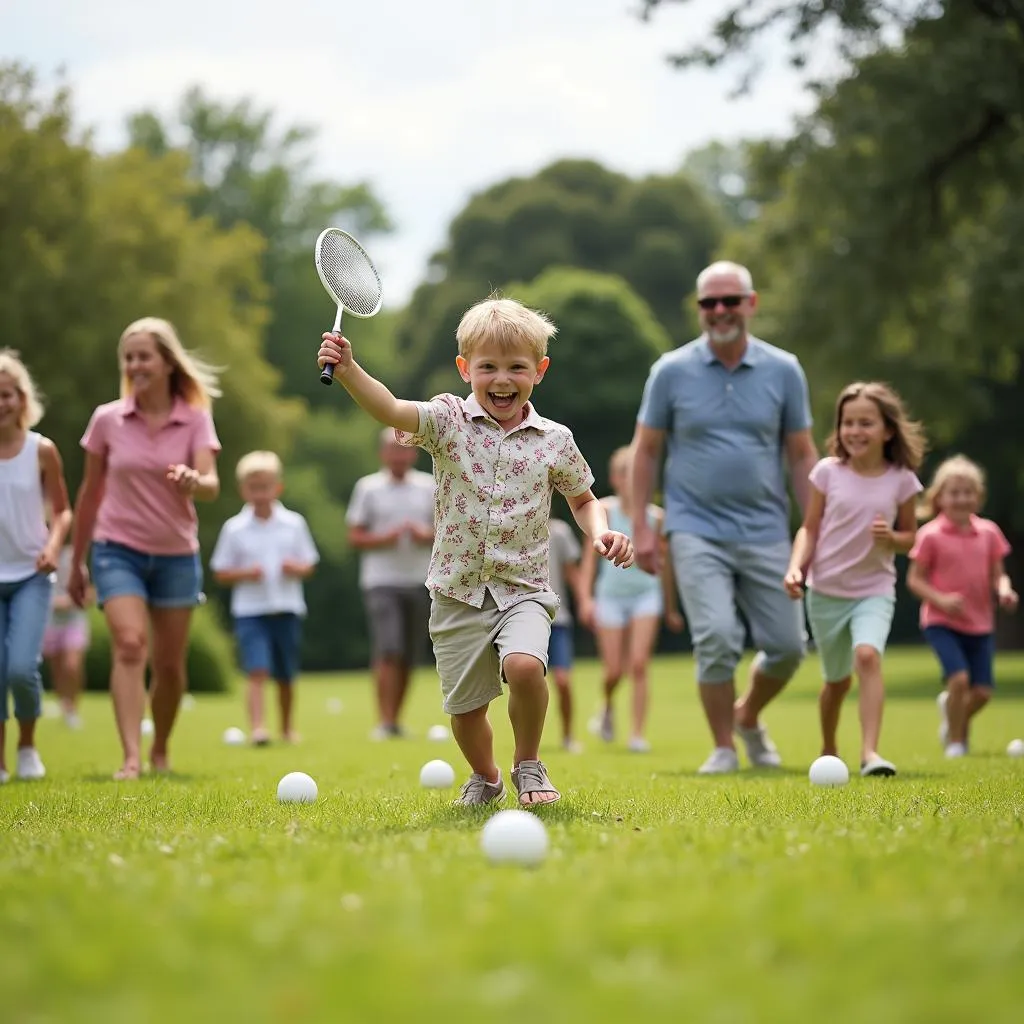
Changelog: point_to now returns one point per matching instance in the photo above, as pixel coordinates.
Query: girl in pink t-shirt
(149, 456)
(956, 568)
(859, 514)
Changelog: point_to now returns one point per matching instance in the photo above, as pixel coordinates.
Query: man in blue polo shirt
(733, 413)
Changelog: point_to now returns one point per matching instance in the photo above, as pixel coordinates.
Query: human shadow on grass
(452, 818)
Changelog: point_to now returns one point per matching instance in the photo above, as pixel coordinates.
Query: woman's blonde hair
(957, 467)
(907, 445)
(32, 404)
(507, 324)
(193, 379)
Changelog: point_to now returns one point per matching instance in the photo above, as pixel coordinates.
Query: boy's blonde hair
(507, 324)
(32, 405)
(258, 462)
(192, 378)
(957, 467)
(623, 456)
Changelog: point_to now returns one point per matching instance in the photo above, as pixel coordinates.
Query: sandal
(478, 790)
(531, 777)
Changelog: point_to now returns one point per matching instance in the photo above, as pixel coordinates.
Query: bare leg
(67, 669)
(830, 703)
(389, 690)
(611, 641)
(958, 688)
(473, 733)
(868, 666)
(403, 676)
(257, 726)
(978, 698)
(761, 691)
(563, 684)
(718, 700)
(527, 709)
(26, 732)
(643, 633)
(170, 643)
(286, 704)
(127, 620)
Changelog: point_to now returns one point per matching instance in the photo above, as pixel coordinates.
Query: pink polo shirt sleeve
(140, 508)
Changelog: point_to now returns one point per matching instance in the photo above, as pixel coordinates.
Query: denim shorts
(560, 647)
(963, 652)
(840, 624)
(162, 581)
(269, 644)
(617, 611)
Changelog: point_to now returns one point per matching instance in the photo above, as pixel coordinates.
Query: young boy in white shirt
(264, 553)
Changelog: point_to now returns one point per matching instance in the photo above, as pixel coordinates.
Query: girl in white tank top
(31, 477)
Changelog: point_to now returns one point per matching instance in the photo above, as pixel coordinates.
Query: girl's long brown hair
(907, 445)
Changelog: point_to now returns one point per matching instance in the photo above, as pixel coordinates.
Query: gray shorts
(397, 617)
(717, 582)
(471, 644)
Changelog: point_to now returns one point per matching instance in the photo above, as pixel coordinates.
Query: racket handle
(327, 374)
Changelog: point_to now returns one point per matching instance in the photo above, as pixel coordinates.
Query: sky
(430, 102)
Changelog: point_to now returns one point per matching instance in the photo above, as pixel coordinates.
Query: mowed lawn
(665, 896)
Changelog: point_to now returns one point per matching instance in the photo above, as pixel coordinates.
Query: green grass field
(665, 897)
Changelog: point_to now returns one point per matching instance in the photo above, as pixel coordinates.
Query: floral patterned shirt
(492, 502)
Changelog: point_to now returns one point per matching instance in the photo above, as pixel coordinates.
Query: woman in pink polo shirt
(956, 567)
(150, 455)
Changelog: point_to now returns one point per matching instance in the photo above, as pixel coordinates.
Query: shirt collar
(946, 525)
(475, 411)
(751, 357)
(249, 513)
(179, 408)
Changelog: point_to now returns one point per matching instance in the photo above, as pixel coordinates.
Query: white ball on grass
(829, 770)
(188, 702)
(233, 736)
(438, 733)
(1015, 748)
(334, 705)
(147, 727)
(515, 837)
(296, 788)
(437, 775)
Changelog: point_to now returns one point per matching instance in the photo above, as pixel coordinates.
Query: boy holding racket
(496, 464)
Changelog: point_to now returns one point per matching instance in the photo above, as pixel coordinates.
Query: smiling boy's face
(502, 379)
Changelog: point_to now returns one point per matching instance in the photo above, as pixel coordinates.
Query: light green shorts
(471, 644)
(840, 624)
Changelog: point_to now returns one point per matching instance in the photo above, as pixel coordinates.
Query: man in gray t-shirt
(391, 521)
(733, 415)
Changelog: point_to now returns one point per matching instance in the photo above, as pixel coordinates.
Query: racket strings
(349, 274)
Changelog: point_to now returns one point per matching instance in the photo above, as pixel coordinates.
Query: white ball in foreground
(828, 770)
(296, 788)
(438, 733)
(334, 706)
(515, 837)
(234, 736)
(188, 702)
(147, 727)
(1016, 748)
(437, 775)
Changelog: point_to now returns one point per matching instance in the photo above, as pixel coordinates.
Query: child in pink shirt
(956, 568)
(846, 549)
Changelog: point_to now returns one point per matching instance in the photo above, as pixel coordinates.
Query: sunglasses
(729, 301)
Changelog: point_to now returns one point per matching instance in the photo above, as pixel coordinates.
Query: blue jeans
(24, 610)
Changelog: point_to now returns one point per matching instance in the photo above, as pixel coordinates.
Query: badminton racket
(349, 277)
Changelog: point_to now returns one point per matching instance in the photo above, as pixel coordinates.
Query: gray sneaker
(478, 790)
(761, 752)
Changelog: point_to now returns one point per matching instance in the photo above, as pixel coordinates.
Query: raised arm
(369, 393)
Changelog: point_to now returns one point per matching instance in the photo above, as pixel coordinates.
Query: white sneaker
(572, 746)
(3, 776)
(30, 764)
(760, 749)
(940, 703)
(956, 750)
(722, 761)
(638, 745)
(72, 720)
(607, 730)
(877, 767)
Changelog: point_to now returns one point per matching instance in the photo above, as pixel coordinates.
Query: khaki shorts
(471, 644)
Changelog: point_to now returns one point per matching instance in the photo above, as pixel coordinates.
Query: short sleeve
(205, 433)
(307, 551)
(998, 545)
(95, 440)
(923, 551)
(358, 514)
(909, 487)
(570, 475)
(655, 405)
(437, 424)
(796, 409)
(225, 551)
(821, 475)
